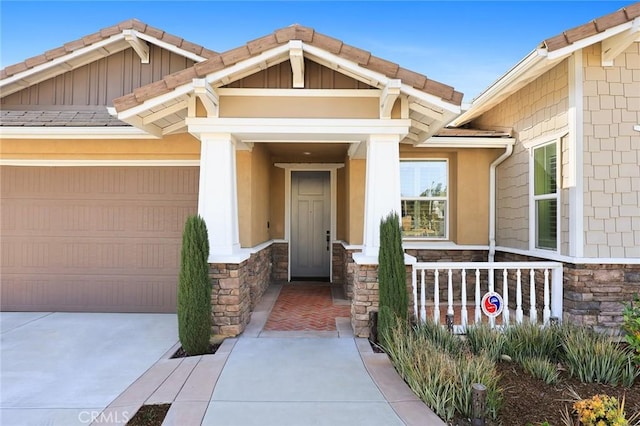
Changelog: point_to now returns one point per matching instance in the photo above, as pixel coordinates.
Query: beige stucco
(538, 109)
(277, 195)
(354, 195)
(611, 154)
(175, 147)
(254, 209)
(298, 107)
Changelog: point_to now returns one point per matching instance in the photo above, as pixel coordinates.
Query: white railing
(543, 278)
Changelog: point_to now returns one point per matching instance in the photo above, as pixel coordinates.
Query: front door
(310, 224)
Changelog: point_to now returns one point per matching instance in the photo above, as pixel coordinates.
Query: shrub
(440, 377)
(593, 357)
(194, 288)
(631, 326)
(392, 276)
(528, 340)
(484, 339)
(600, 410)
(541, 368)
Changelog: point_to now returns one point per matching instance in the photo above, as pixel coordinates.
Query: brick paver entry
(305, 307)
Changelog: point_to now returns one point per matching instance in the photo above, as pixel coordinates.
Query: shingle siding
(612, 154)
(538, 109)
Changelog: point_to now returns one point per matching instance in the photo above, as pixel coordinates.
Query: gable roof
(71, 55)
(278, 38)
(618, 30)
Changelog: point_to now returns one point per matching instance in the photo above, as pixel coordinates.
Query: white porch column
(382, 187)
(218, 194)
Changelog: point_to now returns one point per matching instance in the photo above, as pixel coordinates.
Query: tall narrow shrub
(194, 288)
(392, 276)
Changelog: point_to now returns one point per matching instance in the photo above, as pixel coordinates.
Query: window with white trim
(545, 196)
(424, 198)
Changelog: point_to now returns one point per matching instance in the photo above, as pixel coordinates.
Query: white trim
(311, 167)
(139, 46)
(99, 163)
(224, 75)
(613, 46)
(465, 142)
(103, 132)
(170, 47)
(300, 93)
(348, 246)
(543, 254)
(439, 245)
(61, 60)
(636, 128)
(546, 138)
(185, 89)
(580, 44)
(533, 223)
(333, 179)
(576, 155)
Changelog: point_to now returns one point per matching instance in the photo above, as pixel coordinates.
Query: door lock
(328, 239)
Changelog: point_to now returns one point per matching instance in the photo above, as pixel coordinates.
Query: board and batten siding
(612, 154)
(98, 83)
(538, 109)
(101, 239)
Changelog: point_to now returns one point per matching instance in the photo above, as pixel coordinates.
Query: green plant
(631, 326)
(593, 357)
(542, 369)
(194, 288)
(600, 410)
(439, 336)
(392, 276)
(441, 372)
(528, 340)
(484, 339)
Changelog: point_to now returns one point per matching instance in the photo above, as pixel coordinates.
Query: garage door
(93, 239)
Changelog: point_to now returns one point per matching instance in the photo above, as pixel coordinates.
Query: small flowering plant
(600, 410)
(631, 326)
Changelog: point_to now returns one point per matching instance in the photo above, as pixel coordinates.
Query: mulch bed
(150, 415)
(531, 401)
(180, 353)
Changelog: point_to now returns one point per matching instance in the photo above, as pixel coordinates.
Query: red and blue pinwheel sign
(492, 304)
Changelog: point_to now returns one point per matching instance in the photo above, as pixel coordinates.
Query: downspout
(492, 200)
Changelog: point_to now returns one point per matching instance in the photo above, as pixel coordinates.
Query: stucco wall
(612, 154)
(355, 178)
(298, 107)
(175, 147)
(538, 109)
(253, 175)
(468, 189)
(276, 193)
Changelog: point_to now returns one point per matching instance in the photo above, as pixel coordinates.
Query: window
(545, 196)
(424, 198)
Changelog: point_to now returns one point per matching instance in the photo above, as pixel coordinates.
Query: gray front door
(310, 224)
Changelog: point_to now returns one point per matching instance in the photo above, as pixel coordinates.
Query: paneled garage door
(94, 239)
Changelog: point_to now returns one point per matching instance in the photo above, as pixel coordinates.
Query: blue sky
(466, 44)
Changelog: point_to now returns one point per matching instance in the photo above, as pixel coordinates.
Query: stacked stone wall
(280, 259)
(230, 298)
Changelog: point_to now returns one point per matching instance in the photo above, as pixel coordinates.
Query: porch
(529, 291)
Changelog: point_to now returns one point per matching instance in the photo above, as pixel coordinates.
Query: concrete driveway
(64, 368)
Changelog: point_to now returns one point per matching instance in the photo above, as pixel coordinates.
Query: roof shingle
(131, 24)
(626, 14)
(282, 36)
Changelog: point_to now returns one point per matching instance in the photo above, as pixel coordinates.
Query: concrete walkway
(65, 368)
(278, 379)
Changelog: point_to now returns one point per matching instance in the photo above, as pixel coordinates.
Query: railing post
(505, 297)
(533, 313)
(546, 312)
(436, 297)
(478, 312)
(464, 316)
(414, 287)
(423, 297)
(557, 296)
(450, 293)
(519, 296)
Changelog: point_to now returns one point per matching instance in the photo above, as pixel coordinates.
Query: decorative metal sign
(492, 304)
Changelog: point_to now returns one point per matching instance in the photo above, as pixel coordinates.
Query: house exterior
(292, 148)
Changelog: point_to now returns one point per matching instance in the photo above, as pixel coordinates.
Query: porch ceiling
(307, 152)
